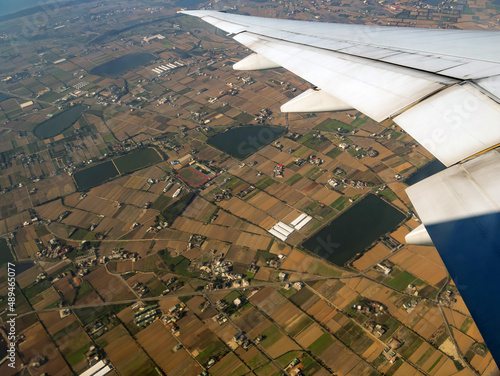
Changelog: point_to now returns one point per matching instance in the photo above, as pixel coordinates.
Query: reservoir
(95, 175)
(59, 123)
(122, 65)
(240, 142)
(137, 160)
(354, 230)
(429, 169)
(5, 254)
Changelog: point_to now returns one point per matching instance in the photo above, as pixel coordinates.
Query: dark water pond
(121, 65)
(240, 142)
(354, 230)
(95, 175)
(5, 254)
(59, 123)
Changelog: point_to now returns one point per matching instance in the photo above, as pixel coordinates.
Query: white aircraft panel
(224, 25)
(368, 51)
(427, 63)
(314, 101)
(454, 124)
(255, 62)
(367, 86)
(492, 84)
(465, 190)
(473, 45)
(473, 70)
(419, 236)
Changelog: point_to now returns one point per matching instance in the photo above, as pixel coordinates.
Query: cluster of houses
(370, 307)
(377, 329)
(54, 250)
(140, 289)
(224, 194)
(120, 254)
(246, 191)
(221, 271)
(278, 171)
(389, 352)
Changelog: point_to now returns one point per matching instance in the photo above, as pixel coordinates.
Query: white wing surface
(443, 88)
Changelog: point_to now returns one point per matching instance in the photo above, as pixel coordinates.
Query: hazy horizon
(12, 6)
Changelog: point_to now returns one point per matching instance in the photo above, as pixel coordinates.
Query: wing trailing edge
(440, 86)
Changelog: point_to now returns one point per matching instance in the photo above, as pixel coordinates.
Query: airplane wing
(440, 86)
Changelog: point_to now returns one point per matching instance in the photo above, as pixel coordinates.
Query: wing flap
(454, 124)
(460, 207)
(366, 85)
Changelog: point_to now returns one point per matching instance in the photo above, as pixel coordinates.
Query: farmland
(145, 208)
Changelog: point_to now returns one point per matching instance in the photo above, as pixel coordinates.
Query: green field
(295, 178)
(300, 326)
(213, 349)
(402, 280)
(265, 182)
(339, 203)
(271, 335)
(137, 160)
(332, 125)
(285, 359)
(161, 202)
(388, 194)
(321, 343)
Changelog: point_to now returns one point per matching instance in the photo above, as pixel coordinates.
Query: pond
(240, 142)
(5, 254)
(429, 169)
(137, 160)
(59, 123)
(121, 65)
(353, 231)
(95, 175)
